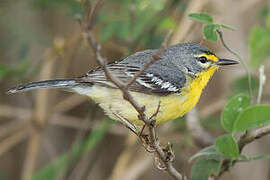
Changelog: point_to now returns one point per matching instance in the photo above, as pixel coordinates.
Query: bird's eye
(203, 59)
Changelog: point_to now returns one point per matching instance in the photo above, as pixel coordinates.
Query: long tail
(56, 83)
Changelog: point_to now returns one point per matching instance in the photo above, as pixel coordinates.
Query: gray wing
(161, 78)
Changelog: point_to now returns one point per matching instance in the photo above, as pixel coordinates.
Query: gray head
(193, 58)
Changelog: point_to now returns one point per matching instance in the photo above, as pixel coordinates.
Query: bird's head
(195, 59)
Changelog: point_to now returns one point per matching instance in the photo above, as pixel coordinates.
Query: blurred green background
(59, 135)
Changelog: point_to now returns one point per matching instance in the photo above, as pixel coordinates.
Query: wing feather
(148, 83)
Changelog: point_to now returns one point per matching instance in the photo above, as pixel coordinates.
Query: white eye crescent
(204, 62)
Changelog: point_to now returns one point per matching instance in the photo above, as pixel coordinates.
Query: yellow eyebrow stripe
(210, 57)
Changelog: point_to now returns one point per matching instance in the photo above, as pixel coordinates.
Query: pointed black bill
(223, 62)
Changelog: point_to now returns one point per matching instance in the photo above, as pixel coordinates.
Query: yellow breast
(178, 105)
(171, 106)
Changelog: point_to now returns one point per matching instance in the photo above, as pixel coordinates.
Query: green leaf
(232, 109)
(204, 168)
(201, 17)
(59, 165)
(209, 152)
(210, 32)
(252, 117)
(226, 26)
(226, 145)
(259, 43)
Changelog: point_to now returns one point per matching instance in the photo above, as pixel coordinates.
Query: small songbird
(173, 83)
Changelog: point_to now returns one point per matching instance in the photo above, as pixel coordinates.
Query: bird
(174, 83)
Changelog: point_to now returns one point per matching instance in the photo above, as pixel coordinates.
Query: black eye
(203, 59)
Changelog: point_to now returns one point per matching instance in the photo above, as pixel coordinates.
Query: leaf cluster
(239, 115)
(210, 28)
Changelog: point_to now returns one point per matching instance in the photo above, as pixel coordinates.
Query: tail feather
(56, 83)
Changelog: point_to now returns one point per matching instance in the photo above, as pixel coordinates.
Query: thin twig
(153, 59)
(87, 28)
(240, 59)
(154, 115)
(183, 33)
(261, 85)
(127, 124)
(94, 13)
(253, 135)
(185, 26)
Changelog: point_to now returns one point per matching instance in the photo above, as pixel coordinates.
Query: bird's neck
(197, 84)
(202, 78)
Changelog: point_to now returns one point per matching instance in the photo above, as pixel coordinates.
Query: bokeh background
(59, 135)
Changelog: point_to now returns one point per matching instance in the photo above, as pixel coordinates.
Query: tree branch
(249, 136)
(201, 137)
(163, 155)
(244, 140)
(153, 59)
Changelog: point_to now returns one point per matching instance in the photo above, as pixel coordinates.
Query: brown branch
(153, 59)
(201, 137)
(249, 136)
(154, 115)
(127, 124)
(163, 155)
(244, 140)
(253, 135)
(183, 32)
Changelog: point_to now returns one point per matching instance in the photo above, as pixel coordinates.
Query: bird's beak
(223, 62)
